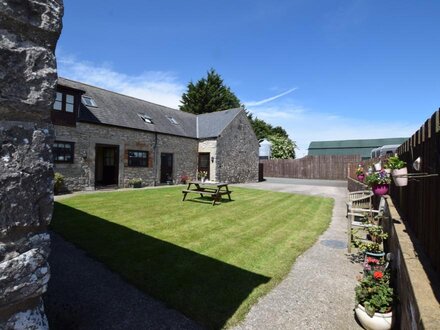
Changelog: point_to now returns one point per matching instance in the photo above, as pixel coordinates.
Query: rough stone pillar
(29, 31)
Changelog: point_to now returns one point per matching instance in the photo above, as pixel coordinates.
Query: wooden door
(204, 165)
(166, 167)
(110, 165)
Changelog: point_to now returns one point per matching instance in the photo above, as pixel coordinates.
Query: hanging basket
(380, 189)
(400, 177)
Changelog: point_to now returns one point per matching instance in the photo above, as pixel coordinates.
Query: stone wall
(81, 174)
(29, 31)
(237, 152)
(185, 156)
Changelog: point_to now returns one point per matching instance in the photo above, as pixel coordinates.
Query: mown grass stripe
(211, 263)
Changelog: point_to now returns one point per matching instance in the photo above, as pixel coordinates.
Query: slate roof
(122, 110)
(212, 124)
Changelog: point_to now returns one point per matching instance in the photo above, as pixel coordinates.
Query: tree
(208, 95)
(263, 130)
(282, 147)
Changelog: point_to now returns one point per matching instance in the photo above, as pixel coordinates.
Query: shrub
(135, 182)
(58, 183)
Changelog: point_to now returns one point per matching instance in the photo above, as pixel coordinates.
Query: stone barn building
(105, 139)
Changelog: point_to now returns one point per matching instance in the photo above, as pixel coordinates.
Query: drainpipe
(155, 159)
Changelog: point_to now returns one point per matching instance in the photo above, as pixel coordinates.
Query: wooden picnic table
(213, 189)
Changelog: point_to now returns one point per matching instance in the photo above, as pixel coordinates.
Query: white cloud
(304, 126)
(153, 86)
(269, 99)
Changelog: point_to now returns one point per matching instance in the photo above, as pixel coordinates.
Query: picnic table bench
(213, 189)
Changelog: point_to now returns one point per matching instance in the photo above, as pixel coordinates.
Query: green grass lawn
(210, 262)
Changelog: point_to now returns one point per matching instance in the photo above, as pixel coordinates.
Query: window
(87, 100)
(58, 105)
(137, 158)
(64, 102)
(172, 120)
(147, 119)
(63, 152)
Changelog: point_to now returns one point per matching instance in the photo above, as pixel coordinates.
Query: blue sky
(324, 70)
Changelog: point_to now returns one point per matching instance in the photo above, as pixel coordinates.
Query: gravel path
(318, 293)
(84, 294)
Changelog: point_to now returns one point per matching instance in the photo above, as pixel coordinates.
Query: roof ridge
(216, 112)
(125, 95)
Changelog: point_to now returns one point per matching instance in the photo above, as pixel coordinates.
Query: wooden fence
(419, 202)
(328, 167)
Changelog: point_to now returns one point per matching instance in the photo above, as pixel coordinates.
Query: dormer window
(64, 102)
(87, 100)
(172, 120)
(147, 119)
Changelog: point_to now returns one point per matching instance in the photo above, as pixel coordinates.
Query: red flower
(378, 275)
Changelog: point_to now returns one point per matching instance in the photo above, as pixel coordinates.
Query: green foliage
(377, 231)
(380, 177)
(58, 183)
(208, 94)
(135, 182)
(367, 246)
(374, 293)
(282, 147)
(395, 163)
(263, 130)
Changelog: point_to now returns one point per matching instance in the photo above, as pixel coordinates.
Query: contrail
(255, 103)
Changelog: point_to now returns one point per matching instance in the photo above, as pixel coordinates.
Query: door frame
(162, 179)
(115, 148)
(208, 169)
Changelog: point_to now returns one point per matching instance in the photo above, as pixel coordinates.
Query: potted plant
(135, 183)
(398, 171)
(376, 220)
(376, 233)
(58, 183)
(184, 179)
(360, 173)
(374, 298)
(369, 248)
(386, 167)
(372, 264)
(379, 182)
(372, 249)
(201, 175)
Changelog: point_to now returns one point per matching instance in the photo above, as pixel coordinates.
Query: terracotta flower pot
(361, 177)
(400, 181)
(380, 189)
(379, 321)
